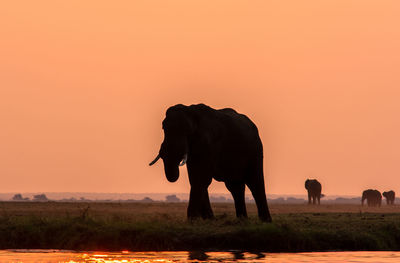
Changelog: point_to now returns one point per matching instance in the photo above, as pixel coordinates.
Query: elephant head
(177, 126)
(307, 184)
(364, 196)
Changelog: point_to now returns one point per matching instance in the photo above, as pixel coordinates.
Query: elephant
(374, 197)
(390, 196)
(314, 190)
(218, 144)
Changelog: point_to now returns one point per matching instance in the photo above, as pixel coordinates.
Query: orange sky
(84, 86)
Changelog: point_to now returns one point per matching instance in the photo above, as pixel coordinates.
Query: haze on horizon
(84, 87)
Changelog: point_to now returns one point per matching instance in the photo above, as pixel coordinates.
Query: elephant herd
(373, 197)
(223, 145)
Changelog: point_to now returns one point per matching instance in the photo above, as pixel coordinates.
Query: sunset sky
(84, 86)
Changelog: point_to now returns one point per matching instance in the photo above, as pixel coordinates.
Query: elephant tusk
(183, 162)
(155, 160)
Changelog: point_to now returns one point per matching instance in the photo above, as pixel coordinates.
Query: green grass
(85, 229)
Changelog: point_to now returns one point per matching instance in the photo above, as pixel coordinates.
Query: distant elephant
(314, 190)
(374, 197)
(215, 144)
(390, 196)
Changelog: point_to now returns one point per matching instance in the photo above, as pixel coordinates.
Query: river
(52, 256)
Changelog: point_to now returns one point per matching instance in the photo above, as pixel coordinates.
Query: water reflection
(198, 255)
(30, 256)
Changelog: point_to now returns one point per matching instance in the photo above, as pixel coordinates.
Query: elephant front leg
(206, 211)
(258, 191)
(309, 198)
(194, 207)
(199, 204)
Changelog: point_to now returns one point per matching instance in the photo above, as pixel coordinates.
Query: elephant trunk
(171, 171)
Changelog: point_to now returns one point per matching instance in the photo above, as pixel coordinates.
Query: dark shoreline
(222, 234)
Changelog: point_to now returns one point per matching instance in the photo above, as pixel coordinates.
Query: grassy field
(163, 226)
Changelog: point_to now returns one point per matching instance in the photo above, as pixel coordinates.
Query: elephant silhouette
(314, 191)
(214, 144)
(390, 197)
(373, 197)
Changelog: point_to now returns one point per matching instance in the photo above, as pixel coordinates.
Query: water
(52, 256)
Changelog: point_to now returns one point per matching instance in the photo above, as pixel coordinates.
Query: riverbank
(163, 226)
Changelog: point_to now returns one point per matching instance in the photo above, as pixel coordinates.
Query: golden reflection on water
(52, 256)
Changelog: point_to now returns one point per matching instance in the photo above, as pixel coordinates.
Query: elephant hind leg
(237, 191)
(258, 191)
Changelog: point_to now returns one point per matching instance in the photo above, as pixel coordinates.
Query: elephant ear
(190, 121)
